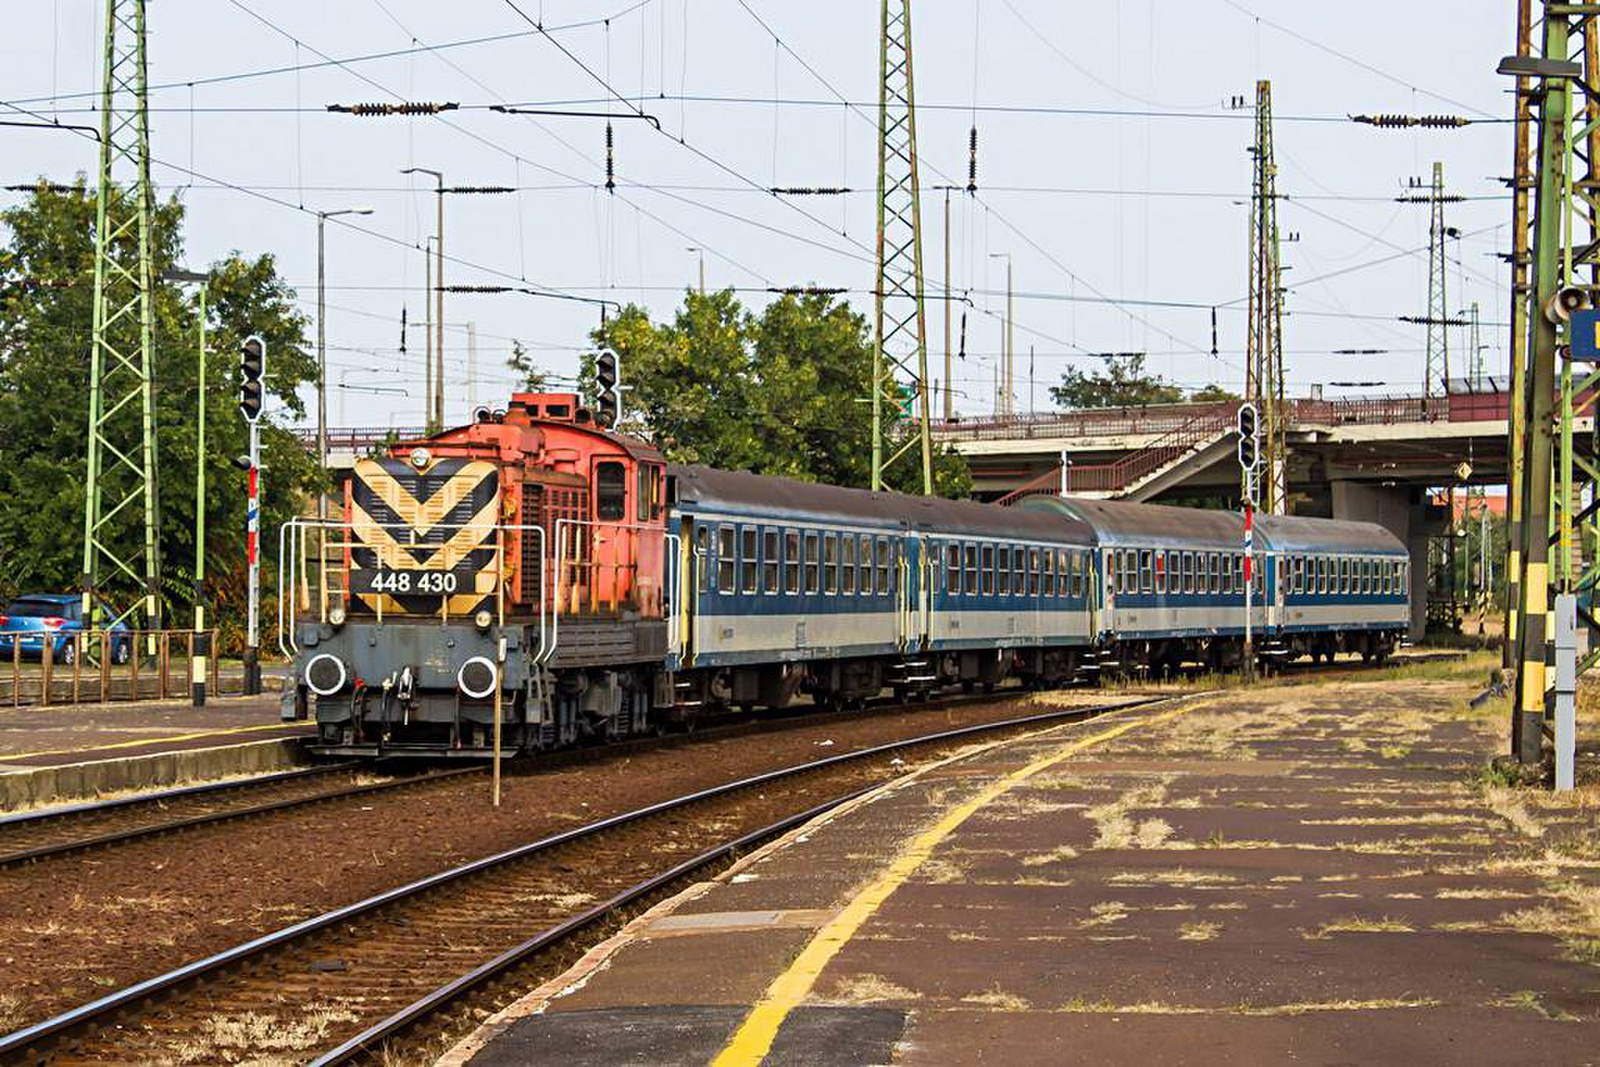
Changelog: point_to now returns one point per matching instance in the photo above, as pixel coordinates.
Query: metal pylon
(1263, 385)
(1558, 470)
(120, 513)
(1436, 372)
(900, 339)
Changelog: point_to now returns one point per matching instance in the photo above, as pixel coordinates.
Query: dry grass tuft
(1199, 879)
(1199, 931)
(247, 1036)
(998, 1000)
(1355, 924)
(1530, 1000)
(10, 1013)
(1507, 804)
(872, 989)
(1055, 855)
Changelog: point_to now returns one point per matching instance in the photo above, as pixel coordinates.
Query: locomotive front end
(399, 630)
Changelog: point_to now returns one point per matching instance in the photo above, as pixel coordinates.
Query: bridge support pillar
(1402, 511)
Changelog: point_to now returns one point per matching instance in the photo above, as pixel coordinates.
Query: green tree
(1213, 394)
(1123, 383)
(530, 377)
(46, 317)
(782, 392)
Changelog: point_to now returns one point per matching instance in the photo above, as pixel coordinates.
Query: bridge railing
(1196, 432)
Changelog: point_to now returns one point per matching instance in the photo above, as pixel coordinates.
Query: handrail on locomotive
(589, 575)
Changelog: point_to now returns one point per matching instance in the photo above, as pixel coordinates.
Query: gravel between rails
(100, 920)
(321, 981)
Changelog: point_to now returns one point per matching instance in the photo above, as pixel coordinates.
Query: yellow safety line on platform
(753, 1040)
(13, 757)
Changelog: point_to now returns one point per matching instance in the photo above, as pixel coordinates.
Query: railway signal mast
(252, 385)
(1558, 483)
(1250, 477)
(608, 388)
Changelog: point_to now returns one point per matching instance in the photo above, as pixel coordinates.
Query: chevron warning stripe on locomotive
(422, 539)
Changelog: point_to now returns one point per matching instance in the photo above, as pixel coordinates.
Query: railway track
(60, 831)
(411, 961)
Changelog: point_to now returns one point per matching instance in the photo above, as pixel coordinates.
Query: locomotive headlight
(336, 616)
(483, 619)
(420, 458)
(326, 674)
(477, 678)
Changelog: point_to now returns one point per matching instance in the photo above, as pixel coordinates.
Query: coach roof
(788, 499)
(1299, 533)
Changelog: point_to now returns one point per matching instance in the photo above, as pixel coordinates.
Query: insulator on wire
(809, 190)
(611, 169)
(1394, 122)
(972, 160)
(368, 110)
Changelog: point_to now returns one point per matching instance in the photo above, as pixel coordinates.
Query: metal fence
(102, 666)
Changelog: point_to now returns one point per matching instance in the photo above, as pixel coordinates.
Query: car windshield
(37, 609)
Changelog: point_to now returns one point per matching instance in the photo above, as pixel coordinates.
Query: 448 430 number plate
(412, 582)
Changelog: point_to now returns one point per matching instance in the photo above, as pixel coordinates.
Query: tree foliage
(783, 392)
(46, 326)
(531, 377)
(1123, 382)
(1213, 394)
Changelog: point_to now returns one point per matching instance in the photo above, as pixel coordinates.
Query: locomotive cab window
(611, 492)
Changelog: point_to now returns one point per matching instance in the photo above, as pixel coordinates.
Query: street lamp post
(322, 346)
(436, 412)
(1005, 400)
(702, 254)
(199, 642)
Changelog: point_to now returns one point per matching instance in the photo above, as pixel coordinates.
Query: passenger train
(536, 570)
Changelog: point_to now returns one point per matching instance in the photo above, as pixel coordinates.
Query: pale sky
(1111, 168)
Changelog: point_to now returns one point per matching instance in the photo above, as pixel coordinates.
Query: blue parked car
(30, 620)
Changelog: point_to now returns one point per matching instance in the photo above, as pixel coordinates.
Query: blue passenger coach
(787, 587)
(1343, 586)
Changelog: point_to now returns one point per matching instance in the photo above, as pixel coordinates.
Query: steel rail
(442, 996)
(107, 1006)
(135, 833)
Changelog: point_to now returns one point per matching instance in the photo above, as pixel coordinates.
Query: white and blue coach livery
(787, 587)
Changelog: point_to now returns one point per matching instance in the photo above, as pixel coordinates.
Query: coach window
(610, 492)
(1238, 573)
(970, 583)
(864, 562)
(986, 568)
(1003, 571)
(725, 559)
(847, 564)
(702, 540)
(813, 555)
(749, 564)
(885, 574)
(952, 562)
(1019, 571)
(791, 562)
(830, 563)
(769, 561)
(1388, 576)
(1047, 576)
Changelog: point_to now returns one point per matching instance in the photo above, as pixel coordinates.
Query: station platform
(1316, 872)
(68, 751)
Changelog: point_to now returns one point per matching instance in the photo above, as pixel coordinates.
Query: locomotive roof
(741, 492)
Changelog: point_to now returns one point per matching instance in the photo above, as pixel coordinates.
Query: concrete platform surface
(49, 754)
(1310, 873)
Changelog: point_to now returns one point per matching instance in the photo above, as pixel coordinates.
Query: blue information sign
(1584, 330)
